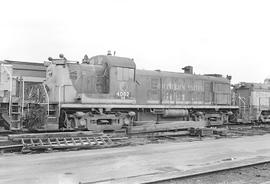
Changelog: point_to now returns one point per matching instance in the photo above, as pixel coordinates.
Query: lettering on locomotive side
(182, 85)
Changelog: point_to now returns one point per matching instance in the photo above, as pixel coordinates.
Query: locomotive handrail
(47, 97)
(243, 101)
(59, 99)
(22, 96)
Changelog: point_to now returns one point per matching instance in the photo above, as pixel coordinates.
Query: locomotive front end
(83, 95)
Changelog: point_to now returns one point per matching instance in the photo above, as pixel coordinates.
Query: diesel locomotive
(107, 92)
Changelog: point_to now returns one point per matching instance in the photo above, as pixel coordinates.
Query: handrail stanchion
(10, 88)
(47, 98)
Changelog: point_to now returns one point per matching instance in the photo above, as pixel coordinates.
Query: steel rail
(159, 177)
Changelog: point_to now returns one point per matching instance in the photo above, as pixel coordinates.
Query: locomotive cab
(116, 77)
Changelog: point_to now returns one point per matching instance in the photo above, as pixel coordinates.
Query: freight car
(253, 100)
(107, 92)
(20, 86)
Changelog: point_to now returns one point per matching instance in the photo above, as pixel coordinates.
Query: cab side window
(125, 74)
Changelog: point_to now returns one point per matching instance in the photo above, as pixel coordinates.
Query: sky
(228, 37)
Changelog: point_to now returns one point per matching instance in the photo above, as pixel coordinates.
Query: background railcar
(20, 85)
(253, 100)
(108, 92)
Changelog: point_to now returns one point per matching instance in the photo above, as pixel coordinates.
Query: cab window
(125, 74)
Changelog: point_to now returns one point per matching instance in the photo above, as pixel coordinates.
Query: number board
(123, 94)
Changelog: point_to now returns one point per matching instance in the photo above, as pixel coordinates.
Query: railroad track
(182, 176)
(210, 173)
(11, 148)
(64, 140)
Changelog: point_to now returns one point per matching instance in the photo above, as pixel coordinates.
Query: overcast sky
(227, 37)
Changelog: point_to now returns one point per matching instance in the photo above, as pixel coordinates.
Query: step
(15, 124)
(13, 120)
(15, 113)
(52, 119)
(51, 126)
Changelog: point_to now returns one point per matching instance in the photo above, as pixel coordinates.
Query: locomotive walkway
(135, 164)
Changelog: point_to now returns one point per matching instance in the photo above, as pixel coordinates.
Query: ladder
(52, 118)
(90, 142)
(15, 116)
(243, 107)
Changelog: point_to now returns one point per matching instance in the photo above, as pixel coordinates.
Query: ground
(130, 164)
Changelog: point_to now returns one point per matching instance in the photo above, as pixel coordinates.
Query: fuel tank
(175, 113)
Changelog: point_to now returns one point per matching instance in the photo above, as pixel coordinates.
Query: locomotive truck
(108, 92)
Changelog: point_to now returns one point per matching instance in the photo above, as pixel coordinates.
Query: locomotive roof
(176, 74)
(22, 65)
(30, 71)
(254, 86)
(115, 61)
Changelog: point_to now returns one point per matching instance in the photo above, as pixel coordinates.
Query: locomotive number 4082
(123, 94)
